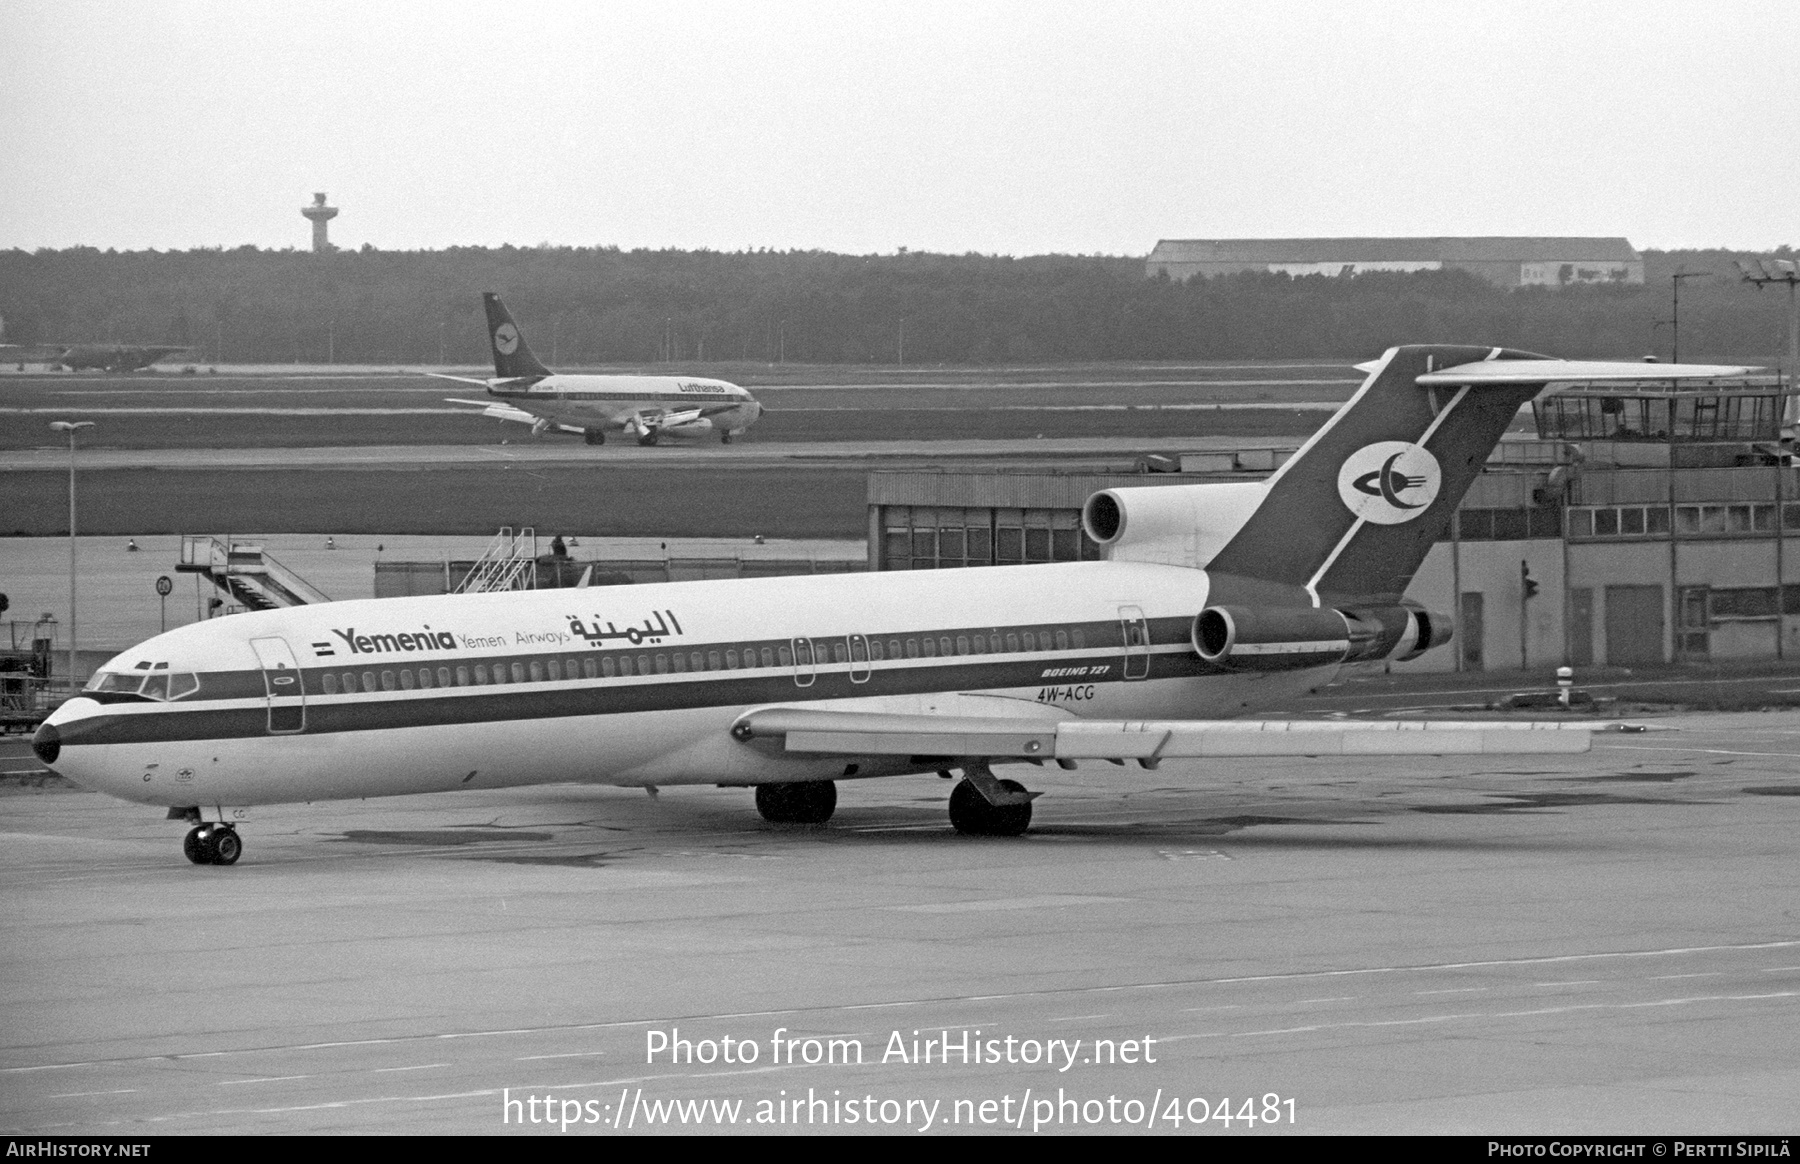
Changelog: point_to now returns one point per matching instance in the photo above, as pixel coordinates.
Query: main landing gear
(810, 803)
(725, 438)
(213, 844)
(593, 436)
(983, 806)
(648, 438)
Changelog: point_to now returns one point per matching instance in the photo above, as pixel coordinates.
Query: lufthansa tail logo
(506, 339)
(1389, 482)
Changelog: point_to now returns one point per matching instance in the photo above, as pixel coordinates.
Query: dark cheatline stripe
(531, 701)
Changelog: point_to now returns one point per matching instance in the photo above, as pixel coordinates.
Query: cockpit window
(160, 684)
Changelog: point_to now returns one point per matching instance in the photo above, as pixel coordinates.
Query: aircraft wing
(853, 733)
(663, 418)
(498, 411)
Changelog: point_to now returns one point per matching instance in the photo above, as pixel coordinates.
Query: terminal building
(1634, 527)
(1505, 262)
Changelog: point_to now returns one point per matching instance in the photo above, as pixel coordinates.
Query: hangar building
(1505, 262)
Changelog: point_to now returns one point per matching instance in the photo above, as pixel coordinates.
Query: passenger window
(731, 660)
(625, 665)
(553, 669)
(183, 683)
(875, 649)
(979, 644)
(1030, 641)
(518, 672)
(894, 648)
(588, 669)
(838, 653)
(1062, 640)
(678, 664)
(929, 646)
(349, 683)
(608, 667)
(330, 682)
(786, 655)
(462, 676)
(768, 656)
(643, 662)
(912, 648)
(662, 664)
(712, 658)
(481, 675)
(424, 676)
(859, 651)
(1080, 639)
(962, 644)
(406, 680)
(443, 677)
(537, 671)
(368, 680)
(387, 680)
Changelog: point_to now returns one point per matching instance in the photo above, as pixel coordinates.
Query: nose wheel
(213, 844)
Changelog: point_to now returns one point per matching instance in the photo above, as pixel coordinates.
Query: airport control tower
(320, 214)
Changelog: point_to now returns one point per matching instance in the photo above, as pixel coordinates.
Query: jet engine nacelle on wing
(1291, 638)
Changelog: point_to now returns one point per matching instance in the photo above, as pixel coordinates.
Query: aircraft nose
(47, 744)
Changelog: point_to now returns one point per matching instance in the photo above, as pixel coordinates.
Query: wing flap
(866, 733)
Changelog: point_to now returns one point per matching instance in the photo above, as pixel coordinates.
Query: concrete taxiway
(1603, 943)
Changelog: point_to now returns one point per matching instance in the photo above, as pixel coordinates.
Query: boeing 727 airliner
(646, 407)
(1213, 601)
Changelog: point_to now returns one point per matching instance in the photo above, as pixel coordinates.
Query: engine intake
(1274, 638)
(1248, 638)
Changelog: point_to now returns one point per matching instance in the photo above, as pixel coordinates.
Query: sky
(998, 127)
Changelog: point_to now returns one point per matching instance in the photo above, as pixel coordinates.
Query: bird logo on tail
(1389, 482)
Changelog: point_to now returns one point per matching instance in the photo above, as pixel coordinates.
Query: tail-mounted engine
(1251, 638)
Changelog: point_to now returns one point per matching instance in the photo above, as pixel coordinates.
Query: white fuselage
(635, 685)
(614, 402)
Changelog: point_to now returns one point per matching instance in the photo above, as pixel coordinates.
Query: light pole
(1780, 271)
(1675, 323)
(71, 427)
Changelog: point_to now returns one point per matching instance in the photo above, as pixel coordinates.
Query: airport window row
(855, 650)
(928, 537)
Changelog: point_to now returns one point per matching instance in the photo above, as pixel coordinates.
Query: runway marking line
(945, 1000)
(85, 1094)
(1446, 1018)
(1457, 990)
(270, 1079)
(420, 1067)
(1570, 982)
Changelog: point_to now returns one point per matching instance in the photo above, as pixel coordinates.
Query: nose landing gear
(213, 844)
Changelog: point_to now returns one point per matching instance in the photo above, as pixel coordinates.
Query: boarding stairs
(509, 563)
(251, 578)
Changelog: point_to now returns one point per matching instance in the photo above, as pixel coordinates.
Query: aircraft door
(804, 670)
(282, 682)
(1136, 634)
(859, 659)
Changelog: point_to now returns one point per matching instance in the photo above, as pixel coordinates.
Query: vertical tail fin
(512, 355)
(1353, 513)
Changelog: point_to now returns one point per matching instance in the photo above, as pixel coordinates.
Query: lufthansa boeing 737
(1213, 601)
(646, 407)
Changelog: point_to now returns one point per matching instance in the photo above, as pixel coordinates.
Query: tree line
(606, 306)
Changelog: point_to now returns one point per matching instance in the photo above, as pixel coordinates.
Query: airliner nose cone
(47, 743)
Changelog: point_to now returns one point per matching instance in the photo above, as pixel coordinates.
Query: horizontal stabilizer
(1553, 371)
(865, 733)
